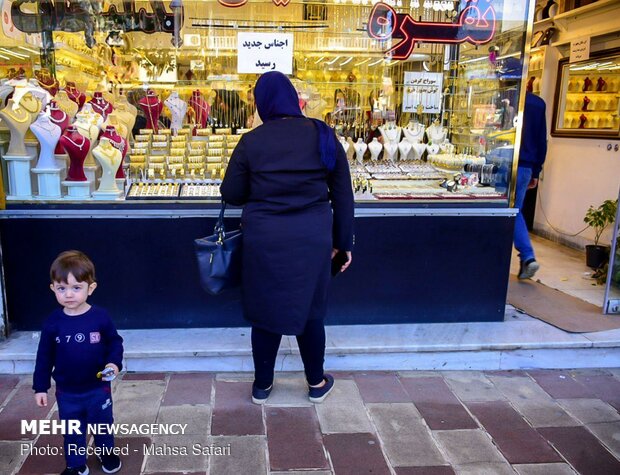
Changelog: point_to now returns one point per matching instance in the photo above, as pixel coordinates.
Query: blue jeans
(90, 407)
(521, 235)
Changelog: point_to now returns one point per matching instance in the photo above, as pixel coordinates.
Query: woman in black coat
(293, 179)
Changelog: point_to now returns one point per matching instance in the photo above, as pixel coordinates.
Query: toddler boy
(78, 343)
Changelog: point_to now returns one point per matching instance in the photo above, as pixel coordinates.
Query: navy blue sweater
(73, 349)
(534, 137)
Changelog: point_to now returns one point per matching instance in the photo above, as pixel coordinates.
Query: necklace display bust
(100, 105)
(201, 108)
(117, 141)
(122, 100)
(360, 149)
(48, 134)
(115, 120)
(61, 119)
(93, 117)
(414, 132)
(404, 147)
(65, 104)
(75, 95)
(390, 132)
(18, 120)
(126, 117)
(77, 147)
(110, 159)
(178, 110)
(390, 151)
(152, 107)
(375, 148)
(86, 128)
(344, 144)
(436, 133)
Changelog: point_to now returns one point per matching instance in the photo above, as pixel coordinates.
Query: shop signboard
(422, 92)
(579, 50)
(259, 53)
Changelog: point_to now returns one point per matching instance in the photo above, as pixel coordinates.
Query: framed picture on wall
(587, 97)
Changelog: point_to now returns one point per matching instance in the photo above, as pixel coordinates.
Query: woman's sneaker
(110, 463)
(528, 268)
(318, 395)
(259, 396)
(83, 470)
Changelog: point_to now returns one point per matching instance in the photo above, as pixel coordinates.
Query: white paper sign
(579, 50)
(262, 52)
(422, 89)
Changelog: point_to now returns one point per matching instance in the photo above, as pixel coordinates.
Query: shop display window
(587, 94)
(163, 95)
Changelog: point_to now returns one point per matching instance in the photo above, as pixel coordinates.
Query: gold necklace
(6, 111)
(36, 104)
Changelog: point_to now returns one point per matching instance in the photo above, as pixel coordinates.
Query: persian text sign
(579, 50)
(262, 52)
(422, 89)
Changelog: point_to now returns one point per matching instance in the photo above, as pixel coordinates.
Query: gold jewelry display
(21, 120)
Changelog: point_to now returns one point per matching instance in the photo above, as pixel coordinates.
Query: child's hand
(41, 399)
(110, 372)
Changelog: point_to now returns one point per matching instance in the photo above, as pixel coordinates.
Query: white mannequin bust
(110, 159)
(344, 144)
(48, 134)
(87, 129)
(417, 149)
(390, 132)
(178, 109)
(360, 149)
(414, 132)
(391, 151)
(436, 133)
(375, 148)
(404, 147)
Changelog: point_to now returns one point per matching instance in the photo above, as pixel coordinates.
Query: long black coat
(289, 226)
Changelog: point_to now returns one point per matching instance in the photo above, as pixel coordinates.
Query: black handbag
(219, 258)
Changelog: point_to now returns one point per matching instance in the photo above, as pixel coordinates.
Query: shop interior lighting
(30, 50)
(5, 57)
(12, 53)
(319, 60)
(363, 62)
(375, 62)
(333, 60)
(347, 61)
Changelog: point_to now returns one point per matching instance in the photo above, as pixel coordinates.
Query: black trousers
(311, 347)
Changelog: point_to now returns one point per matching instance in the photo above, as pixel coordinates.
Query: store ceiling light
(363, 62)
(347, 61)
(375, 62)
(30, 50)
(12, 53)
(5, 57)
(333, 60)
(319, 60)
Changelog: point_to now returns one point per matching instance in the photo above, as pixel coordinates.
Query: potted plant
(599, 218)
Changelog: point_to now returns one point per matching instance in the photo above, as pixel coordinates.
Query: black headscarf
(276, 97)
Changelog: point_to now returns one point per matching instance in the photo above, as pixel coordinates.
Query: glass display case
(170, 87)
(587, 97)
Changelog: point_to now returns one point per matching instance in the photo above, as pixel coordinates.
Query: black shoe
(318, 395)
(528, 269)
(83, 470)
(110, 463)
(259, 396)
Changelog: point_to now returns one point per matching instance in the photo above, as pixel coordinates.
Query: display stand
(32, 146)
(91, 174)
(62, 159)
(18, 171)
(77, 190)
(108, 195)
(48, 180)
(120, 182)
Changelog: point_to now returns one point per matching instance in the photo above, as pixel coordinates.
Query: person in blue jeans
(531, 159)
(81, 349)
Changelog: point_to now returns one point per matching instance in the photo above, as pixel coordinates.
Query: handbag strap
(219, 224)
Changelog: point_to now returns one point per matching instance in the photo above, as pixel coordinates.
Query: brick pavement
(425, 423)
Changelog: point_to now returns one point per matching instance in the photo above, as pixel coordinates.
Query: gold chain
(7, 112)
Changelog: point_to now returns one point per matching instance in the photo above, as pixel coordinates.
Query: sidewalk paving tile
(289, 390)
(484, 468)
(44, 463)
(519, 442)
(605, 386)
(137, 402)
(144, 376)
(544, 469)
(247, 456)
(294, 439)
(582, 450)
(356, 454)
(132, 463)
(8, 382)
(188, 388)
(10, 456)
(437, 470)
(406, 439)
(589, 411)
(381, 388)
(472, 386)
(437, 403)
(197, 418)
(233, 411)
(464, 447)
(343, 410)
(164, 460)
(560, 384)
(609, 434)
(22, 406)
(532, 402)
